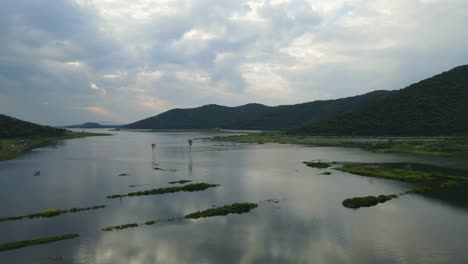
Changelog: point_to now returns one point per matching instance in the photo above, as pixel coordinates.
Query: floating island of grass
(180, 182)
(317, 164)
(367, 201)
(42, 240)
(195, 187)
(50, 213)
(236, 208)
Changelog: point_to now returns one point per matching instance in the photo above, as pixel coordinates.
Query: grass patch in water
(195, 187)
(179, 182)
(449, 184)
(42, 240)
(50, 213)
(367, 201)
(326, 173)
(236, 208)
(317, 164)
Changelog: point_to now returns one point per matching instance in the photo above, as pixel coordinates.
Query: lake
(307, 225)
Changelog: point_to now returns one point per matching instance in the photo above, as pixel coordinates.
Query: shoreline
(11, 148)
(437, 146)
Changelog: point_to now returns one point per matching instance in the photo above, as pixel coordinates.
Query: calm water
(308, 225)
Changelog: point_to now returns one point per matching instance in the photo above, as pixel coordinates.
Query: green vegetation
(236, 208)
(431, 146)
(326, 173)
(14, 128)
(418, 190)
(56, 258)
(382, 171)
(50, 213)
(255, 116)
(123, 174)
(132, 225)
(406, 172)
(43, 240)
(186, 188)
(433, 107)
(448, 184)
(317, 164)
(11, 148)
(180, 182)
(367, 201)
(37, 173)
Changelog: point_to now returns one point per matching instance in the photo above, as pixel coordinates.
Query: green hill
(14, 128)
(437, 106)
(255, 116)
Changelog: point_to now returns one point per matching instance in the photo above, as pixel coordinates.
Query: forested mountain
(436, 106)
(255, 116)
(14, 128)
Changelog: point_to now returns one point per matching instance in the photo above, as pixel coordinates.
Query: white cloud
(147, 53)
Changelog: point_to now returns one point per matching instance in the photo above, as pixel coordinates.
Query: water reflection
(310, 225)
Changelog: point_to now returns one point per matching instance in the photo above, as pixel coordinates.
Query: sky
(117, 61)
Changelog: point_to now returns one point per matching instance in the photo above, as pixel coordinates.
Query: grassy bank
(13, 147)
(432, 146)
(42, 240)
(446, 184)
(408, 172)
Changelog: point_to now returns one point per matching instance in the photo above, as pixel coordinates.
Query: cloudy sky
(71, 61)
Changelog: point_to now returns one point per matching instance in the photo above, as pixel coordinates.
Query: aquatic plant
(368, 201)
(123, 174)
(236, 208)
(50, 213)
(317, 164)
(186, 188)
(326, 173)
(42, 240)
(180, 182)
(448, 184)
(37, 173)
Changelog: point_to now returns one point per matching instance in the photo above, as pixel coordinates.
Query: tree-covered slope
(255, 116)
(14, 128)
(437, 106)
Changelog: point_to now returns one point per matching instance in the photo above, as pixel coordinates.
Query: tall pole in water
(190, 141)
(153, 146)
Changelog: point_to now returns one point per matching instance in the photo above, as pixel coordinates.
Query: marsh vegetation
(236, 208)
(195, 187)
(50, 213)
(42, 240)
(367, 201)
(430, 146)
(317, 164)
(180, 182)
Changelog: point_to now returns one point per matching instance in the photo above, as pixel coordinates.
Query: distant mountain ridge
(92, 125)
(255, 116)
(14, 128)
(437, 106)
